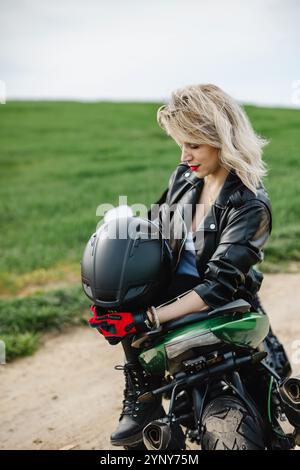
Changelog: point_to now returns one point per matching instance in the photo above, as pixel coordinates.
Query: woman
(220, 178)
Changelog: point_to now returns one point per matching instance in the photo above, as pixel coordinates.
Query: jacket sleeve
(240, 247)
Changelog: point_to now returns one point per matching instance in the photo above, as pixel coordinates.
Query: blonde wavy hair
(205, 114)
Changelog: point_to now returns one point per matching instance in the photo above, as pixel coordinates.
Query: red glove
(114, 326)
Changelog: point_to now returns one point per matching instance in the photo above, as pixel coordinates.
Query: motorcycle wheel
(228, 425)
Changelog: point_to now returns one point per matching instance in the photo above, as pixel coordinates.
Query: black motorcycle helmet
(126, 263)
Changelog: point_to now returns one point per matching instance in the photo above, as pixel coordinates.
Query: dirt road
(68, 395)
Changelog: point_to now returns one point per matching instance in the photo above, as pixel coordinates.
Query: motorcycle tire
(228, 425)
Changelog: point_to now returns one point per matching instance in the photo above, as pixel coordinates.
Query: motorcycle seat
(237, 306)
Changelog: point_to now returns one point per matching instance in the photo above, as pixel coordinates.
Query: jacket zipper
(185, 237)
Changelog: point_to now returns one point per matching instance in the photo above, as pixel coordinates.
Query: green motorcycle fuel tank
(244, 330)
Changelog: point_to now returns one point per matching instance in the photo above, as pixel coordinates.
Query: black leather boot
(135, 416)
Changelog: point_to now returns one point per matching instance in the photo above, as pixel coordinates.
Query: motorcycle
(220, 389)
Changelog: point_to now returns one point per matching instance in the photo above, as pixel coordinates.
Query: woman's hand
(118, 325)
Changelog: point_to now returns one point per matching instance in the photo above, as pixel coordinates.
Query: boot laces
(135, 384)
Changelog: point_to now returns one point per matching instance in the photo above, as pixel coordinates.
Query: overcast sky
(143, 49)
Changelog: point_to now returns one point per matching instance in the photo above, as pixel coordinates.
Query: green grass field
(60, 160)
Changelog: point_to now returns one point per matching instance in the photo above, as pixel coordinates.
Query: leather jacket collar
(231, 183)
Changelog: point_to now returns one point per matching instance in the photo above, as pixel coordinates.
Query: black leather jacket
(234, 232)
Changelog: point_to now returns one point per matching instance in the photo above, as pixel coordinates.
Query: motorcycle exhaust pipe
(290, 392)
(290, 395)
(292, 387)
(157, 435)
